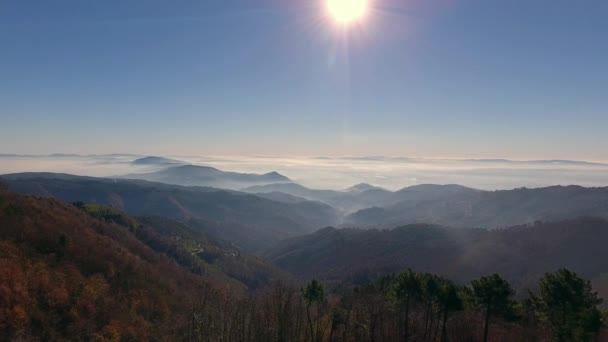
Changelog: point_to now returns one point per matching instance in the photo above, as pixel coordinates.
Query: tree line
(408, 306)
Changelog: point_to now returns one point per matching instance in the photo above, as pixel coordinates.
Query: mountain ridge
(154, 160)
(196, 175)
(250, 221)
(465, 207)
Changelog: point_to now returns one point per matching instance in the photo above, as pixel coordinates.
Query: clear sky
(516, 79)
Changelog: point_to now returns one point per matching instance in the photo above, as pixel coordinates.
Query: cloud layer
(340, 173)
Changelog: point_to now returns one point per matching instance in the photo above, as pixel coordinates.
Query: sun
(347, 11)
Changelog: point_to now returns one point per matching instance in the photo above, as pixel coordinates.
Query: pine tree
(494, 294)
(569, 305)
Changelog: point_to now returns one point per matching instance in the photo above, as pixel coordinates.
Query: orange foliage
(66, 275)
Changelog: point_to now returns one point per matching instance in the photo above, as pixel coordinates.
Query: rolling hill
(355, 198)
(252, 223)
(194, 175)
(82, 272)
(464, 207)
(156, 161)
(521, 254)
(452, 205)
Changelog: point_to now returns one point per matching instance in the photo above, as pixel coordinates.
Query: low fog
(340, 173)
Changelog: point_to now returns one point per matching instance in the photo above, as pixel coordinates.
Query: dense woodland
(255, 220)
(521, 254)
(251, 222)
(82, 272)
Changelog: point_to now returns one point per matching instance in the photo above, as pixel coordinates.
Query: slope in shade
(521, 254)
(251, 222)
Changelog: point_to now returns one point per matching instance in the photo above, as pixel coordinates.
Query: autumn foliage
(76, 272)
(66, 275)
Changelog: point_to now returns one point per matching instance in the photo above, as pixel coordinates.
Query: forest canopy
(76, 271)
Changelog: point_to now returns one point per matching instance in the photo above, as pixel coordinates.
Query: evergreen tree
(493, 294)
(450, 300)
(405, 290)
(430, 291)
(569, 305)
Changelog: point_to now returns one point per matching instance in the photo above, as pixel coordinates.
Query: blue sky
(437, 78)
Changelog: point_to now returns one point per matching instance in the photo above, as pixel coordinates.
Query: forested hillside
(521, 254)
(251, 222)
(76, 271)
(84, 272)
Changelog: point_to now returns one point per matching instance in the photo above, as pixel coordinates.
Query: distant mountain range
(251, 222)
(452, 205)
(261, 216)
(464, 207)
(365, 158)
(361, 187)
(158, 161)
(358, 197)
(364, 196)
(194, 175)
(557, 226)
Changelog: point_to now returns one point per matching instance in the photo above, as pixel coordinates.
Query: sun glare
(347, 11)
